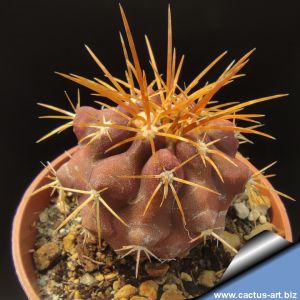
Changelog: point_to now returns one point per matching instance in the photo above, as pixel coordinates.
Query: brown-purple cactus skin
(159, 159)
(161, 229)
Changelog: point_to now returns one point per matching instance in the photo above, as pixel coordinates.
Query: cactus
(155, 169)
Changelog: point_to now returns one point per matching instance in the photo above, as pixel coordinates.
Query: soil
(70, 265)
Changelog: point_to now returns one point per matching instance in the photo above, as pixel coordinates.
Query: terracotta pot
(24, 234)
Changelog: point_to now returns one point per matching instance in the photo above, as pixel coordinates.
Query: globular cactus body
(161, 229)
(160, 166)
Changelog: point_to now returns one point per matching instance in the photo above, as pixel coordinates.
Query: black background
(39, 37)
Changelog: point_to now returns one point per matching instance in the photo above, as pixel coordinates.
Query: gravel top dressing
(70, 264)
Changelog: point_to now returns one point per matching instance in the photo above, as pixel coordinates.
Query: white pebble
(87, 279)
(262, 219)
(254, 215)
(43, 216)
(242, 210)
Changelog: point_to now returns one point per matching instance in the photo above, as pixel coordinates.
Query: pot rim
(18, 259)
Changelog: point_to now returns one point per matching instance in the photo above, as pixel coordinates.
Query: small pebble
(207, 278)
(242, 211)
(43, 280)
(110, 276)
(43, 216)
(253, 215)
(125, 292)
(45, 255)
(62, 231)
(99, 276)
(172, 295)
(71, 266)
(87, 279)
(149, 289)
(88, 265)
(170, 287)
(77, 295)
(232, 239)
(186, 277)
(262, 219)
(69, 243)
(101, 296)
(116, 285)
